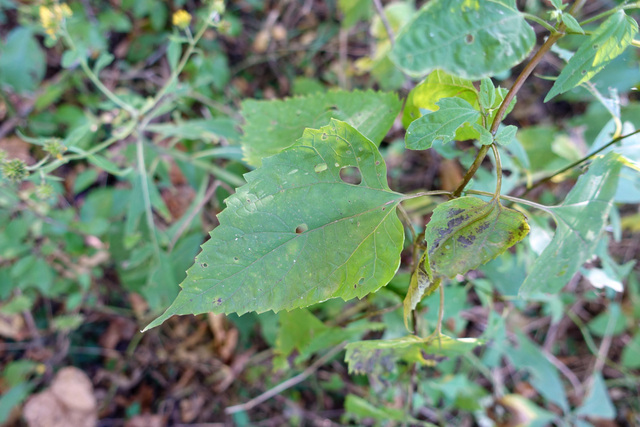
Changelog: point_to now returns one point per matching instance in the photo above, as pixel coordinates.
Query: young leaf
(422, 285)
(571, 23)
(471, 39)
(441, 124)
(380, 356)
(466, 232)
(603, 46)
(487, 94)
(581, 219)
(506, 135)
(440, 85)
(297, 233)
(272, 126)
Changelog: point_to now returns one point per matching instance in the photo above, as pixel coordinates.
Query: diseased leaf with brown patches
(422, 285)
(467, 232)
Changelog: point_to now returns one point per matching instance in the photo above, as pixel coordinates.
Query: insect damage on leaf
(467, 232)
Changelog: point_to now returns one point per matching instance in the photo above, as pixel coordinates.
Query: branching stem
(579, 162)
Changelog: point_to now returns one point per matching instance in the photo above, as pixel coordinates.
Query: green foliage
(442, 124)
(604, 45)
(380, 356)
(272, 126)
(124, 177)
(22, 61)
(261, 250)
(580, 220)
(467, 232)
(466, 38)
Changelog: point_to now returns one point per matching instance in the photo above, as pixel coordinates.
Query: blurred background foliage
(104, 201)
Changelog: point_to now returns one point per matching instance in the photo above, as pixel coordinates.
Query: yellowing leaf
(467, 232)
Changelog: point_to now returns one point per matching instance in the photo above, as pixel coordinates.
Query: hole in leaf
(506, 172)
(204, 265)
(469, 38)
(302, 228)
(583, 72)
(351, 175)
(595, 47)
(324, 136)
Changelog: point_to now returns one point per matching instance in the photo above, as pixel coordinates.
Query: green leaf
(441, 124)
(440, 85)
(544, 376)
(420, 286)
(580, 219)
(272, 126)
(468, 38)
(380, 356)
(22, 61)
(487, 94)
(358, 409)
(598, 403)
(603, 46)
(506, 135)
(466, 232)
(297, 329)
(354, 11)
(13, 397)
(630, 359)
(571, 23)
(297, 234)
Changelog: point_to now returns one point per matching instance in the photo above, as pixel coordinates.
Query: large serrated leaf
(581, 218)
(441, 124)
(380, 356)
(468, 38)
(272, 126)
(297, 234)
(467, 232)
(603, 46)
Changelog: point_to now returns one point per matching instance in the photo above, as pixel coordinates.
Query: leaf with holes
(272, 126)
(610, 39)
(297, 234)
(467, 232)
(471, 39)
(581, 219)
(441, 124)
(380, 356)
(422, 285)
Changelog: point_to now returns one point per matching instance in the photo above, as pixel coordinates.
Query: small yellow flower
(47, 19)
(51, 17)
(181, 19)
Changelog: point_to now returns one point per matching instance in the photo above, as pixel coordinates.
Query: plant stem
(440, 311)
(175, 73)
(146, 196)
(578, 162)
(540, 21)
(385, 21)
(524, 74)
(606, 13)
(472, 170)
(514, 200)
(105, 90)
(496, 154)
